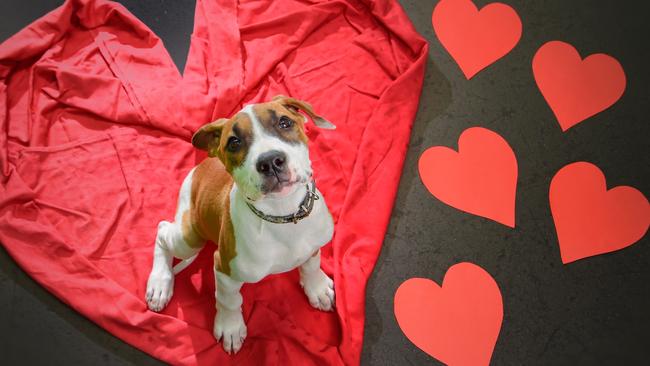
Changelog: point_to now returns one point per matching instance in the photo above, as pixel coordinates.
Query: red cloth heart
(574, 88)
(591, 220)
(476, 39)
(481, 178)
(95, 124)
(457, 323)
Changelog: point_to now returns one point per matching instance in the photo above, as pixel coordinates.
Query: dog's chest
(265, 248)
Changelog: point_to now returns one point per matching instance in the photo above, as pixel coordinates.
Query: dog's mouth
(279, 185)
(282, 184)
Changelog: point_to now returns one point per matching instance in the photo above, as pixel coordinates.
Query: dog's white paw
(319, 289)
(160, 288)
(230, 329)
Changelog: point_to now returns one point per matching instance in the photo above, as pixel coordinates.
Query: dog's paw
(160, 288)
(230, 329)
(319, 289)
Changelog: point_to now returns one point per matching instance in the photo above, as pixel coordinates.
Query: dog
(255, 197)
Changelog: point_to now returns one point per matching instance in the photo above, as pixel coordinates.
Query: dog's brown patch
(210, 209)
(191, 237)
(269, 115)
(240, 127)
(214, 137)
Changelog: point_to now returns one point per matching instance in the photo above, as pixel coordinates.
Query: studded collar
(304, 209)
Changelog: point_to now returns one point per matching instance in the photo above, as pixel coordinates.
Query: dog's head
(264, 146)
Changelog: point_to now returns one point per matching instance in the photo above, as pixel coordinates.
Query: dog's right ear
(207, 137)
(295, 105)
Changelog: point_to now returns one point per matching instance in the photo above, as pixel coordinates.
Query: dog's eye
(233, 144)
(285, 122)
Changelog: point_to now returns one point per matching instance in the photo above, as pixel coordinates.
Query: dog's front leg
(229, 323)
(318, 287)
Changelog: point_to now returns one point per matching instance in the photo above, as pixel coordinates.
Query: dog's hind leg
(177, 239)
(184, 264)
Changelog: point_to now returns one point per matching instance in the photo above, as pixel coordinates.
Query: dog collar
(304, 210)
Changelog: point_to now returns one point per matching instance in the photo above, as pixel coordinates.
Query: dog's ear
(207, 137)
(296, 105)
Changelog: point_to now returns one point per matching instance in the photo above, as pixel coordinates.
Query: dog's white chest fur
(265, 248)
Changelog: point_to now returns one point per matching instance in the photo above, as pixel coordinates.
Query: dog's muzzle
(273, 167)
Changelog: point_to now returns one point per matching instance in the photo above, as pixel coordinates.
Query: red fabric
(95, 124)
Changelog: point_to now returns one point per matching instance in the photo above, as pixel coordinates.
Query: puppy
(254, 196)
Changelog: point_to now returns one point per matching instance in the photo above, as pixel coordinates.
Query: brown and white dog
(254, 196)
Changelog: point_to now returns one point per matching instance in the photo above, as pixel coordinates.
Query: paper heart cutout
(591, 220)
(457, 323)
(574, 88)
(476, 39)
(481, 178)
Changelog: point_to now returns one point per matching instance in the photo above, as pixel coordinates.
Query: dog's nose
(271, 162)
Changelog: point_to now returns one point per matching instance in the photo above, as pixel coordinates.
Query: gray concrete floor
(592, 312)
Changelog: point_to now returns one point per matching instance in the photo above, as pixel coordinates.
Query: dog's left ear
(207, 137)
(295, 104)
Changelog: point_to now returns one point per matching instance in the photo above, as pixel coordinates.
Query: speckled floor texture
(592, 312)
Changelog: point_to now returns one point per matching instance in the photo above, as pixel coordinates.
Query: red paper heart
(591, 220)
(476, 39)
(457, 323)
(481, 178)
(576, 89)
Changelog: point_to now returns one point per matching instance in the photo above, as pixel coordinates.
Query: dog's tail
(184, 264)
